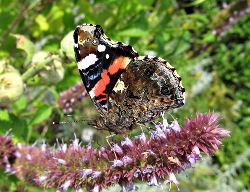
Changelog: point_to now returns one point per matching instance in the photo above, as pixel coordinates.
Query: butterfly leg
(107, 139)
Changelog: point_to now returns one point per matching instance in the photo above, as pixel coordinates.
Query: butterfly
(125, 88)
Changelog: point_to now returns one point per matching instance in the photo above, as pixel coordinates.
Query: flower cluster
(7, 151)
(70, 98)
(230, 15)
(155, 160)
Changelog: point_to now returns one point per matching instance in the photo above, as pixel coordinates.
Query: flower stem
(35, 68)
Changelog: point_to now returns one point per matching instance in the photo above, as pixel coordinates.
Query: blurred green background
(207, 41)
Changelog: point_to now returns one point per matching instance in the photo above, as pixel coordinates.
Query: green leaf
(209, 38)
(42, 114)
(25, 44)
(4, 115)
(182, 45)
(20, 104)
(17, 125)
(200, 17)
(133, 32)
(6, 16)
(42, 22)
(66, 48)
(197, 2)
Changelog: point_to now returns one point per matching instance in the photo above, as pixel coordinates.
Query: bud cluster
(69, 99)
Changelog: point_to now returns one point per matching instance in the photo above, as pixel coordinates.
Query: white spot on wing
(87, 61)
(101, 48)
(119, 86)
(107, 56)
(140, 58)
(91, 93)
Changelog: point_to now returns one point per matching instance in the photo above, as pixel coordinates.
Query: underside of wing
(100, 61)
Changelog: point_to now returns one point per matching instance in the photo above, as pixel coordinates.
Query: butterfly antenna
(69, 115)
(171, 115)
(141, 127)
(146, 126)
(69, 122)
(66, 122)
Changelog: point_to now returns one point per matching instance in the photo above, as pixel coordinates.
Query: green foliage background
(215, 71)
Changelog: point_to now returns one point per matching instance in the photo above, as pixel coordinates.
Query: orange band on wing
(101, 84)
(118, 63)
(102, 99)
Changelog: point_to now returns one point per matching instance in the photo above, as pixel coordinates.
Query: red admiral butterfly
(125, 88)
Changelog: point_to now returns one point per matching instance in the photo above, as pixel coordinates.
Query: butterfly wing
(101, 61)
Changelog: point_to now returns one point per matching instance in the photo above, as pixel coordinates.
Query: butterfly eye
(165, 90)
(95, 42)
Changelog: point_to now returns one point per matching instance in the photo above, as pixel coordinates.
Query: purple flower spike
(127, 160)
(75, 144)
(130, 187)
(159, 133)
(64, 147)
(69, 99)
(153, 182)
(148, 153)
(174, 149)
(118, 149)
(165, 124)
(78, 190)
(86, 172)
(137, 173)
(28, 156)
(142, 138)
(60, 161)
(85, 161)
(43, 147)
(118, 163)
(96, 174)
(66, 185)
(195, 155)
(172, 179)
(95, 189)
(128, 143)
(231, 14)
(175, 126)
(149, 170)
(42, 178)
